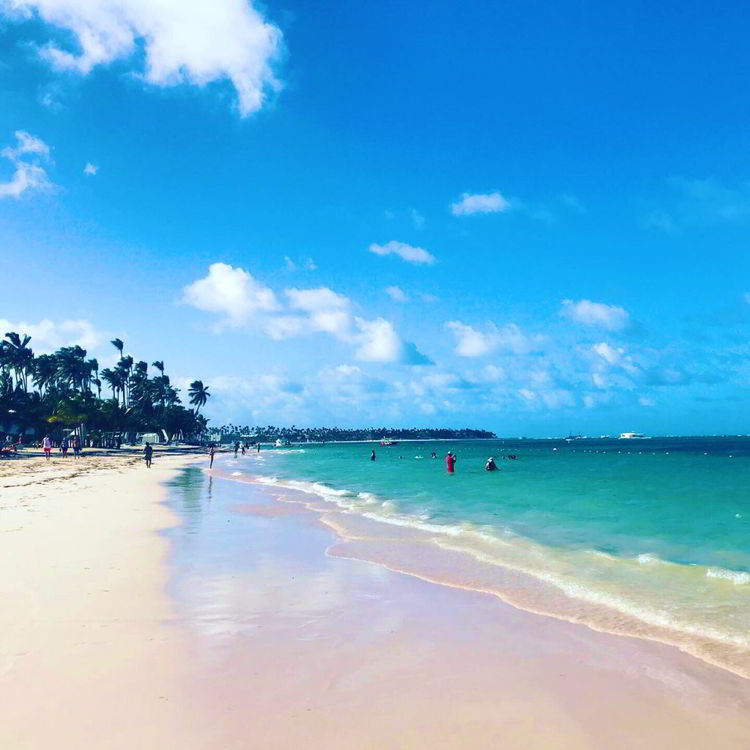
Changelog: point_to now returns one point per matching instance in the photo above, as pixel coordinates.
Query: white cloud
(406, 252)
(243, 301)
(378, 341)
(230, 291)
(49, 335)
(397, 294)
(28, 174)
(469, 341)
(90, 169)
(473, 343)
(194, 42)
(480, 203)
(590, 313)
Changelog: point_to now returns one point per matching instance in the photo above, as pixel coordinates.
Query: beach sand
(239, 625)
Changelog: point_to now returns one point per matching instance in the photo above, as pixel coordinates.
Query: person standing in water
(148, 452)
(372, 456)
(211, 453)
(450, 463)
(259, 446)
(491, 465)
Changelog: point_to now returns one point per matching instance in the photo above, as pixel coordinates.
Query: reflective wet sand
(295, 646)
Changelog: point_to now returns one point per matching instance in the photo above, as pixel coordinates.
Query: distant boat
(631, 435)
(387, 441)
(571, 438)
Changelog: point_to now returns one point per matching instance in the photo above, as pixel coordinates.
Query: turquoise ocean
(646, 537)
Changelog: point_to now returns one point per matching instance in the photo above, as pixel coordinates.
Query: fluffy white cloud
(242, 300)
(416, 255)
(48, 335)
(90, 169)
(590, 313)
(469, 341)
(397, 294)
(230, 291)
(28, 174)
(194, 42)
(480, 203)
(473, 343)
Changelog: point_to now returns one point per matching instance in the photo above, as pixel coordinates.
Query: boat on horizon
(385, 442)
(632, 436)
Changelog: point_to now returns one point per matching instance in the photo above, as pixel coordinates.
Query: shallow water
(650, 537)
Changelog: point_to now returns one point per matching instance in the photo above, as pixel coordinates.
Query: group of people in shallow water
(451, 458)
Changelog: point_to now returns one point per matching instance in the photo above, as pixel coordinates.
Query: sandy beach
(179, 608)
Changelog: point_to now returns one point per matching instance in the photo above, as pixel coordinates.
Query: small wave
(737, 577)
(649, 559)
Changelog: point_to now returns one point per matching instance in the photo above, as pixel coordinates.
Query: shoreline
(366, 536)
(176, 607)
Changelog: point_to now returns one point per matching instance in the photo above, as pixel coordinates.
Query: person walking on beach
(148, 452)
(450, 463)
(236, 448)
(64, 447)
(76, 447)
(258, 446)
(47, 446)
(372, 457)
(211, 453)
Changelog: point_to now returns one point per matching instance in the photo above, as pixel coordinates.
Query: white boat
(281, 443)
(631, 435)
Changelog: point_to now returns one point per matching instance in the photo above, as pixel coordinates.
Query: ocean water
(644, 537)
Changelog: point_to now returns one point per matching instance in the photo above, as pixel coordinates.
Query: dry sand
(266, 641)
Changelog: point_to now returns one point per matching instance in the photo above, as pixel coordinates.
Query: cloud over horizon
(241, 300)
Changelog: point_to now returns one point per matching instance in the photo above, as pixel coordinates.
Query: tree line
(60, 392)
(270, 433)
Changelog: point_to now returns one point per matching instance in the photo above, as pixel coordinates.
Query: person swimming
(491, 465)
(372, 455)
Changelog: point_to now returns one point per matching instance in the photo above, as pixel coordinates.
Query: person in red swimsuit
(450, 463)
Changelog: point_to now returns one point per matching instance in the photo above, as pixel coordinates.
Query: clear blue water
(657, 529)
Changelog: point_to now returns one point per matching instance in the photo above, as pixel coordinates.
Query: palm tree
(198, 394)
(19, 356)
(159, 365)
(119, 345)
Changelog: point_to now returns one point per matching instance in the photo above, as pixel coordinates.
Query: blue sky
(526, 217)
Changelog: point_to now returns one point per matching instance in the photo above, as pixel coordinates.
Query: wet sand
(224, 618)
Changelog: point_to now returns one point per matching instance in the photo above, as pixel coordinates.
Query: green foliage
(54, 392)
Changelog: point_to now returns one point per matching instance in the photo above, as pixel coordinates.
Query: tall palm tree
(119, 345)
(20, 357)
(198, 394)
(159, 365)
